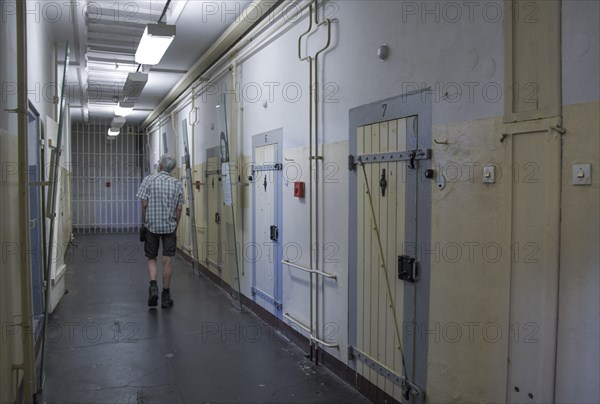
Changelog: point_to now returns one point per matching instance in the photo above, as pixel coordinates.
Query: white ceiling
(103, 39)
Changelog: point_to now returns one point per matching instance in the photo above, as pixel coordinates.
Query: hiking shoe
(165, 299)
(152, 295)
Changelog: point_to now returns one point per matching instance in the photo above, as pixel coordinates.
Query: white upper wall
(455, 49)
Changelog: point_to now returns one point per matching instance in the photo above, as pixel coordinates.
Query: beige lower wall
(469, 293)
(578, 353)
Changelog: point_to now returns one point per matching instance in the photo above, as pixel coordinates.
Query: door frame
(418, 104)
(263, 139)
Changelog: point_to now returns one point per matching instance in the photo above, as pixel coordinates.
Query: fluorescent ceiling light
(113, 131)
(154, 43)
(134, 84)
(118, 123)
(101, 108)
(123, 108)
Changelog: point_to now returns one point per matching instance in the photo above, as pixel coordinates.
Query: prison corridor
(106, 345)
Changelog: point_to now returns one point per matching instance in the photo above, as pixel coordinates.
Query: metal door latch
(383, 182)
(274, 233)
(411, 161)
(407, 268)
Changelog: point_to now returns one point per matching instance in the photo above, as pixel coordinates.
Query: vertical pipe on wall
(310, 170)
(28, 364)
(318, 158)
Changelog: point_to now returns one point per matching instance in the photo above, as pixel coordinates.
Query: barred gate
(107, 173)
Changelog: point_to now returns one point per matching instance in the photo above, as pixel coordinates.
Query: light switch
(489, 174)
(582, 174)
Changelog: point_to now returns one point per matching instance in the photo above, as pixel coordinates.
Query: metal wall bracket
(409, 389)
(407, 155)
(355, 354)
(269, 299)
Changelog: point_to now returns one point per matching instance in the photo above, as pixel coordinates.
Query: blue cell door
(267, 233)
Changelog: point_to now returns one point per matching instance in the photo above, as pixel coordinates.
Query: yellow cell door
(212, 250)
(390, 220)
(381, 219)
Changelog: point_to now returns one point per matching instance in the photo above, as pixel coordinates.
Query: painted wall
(10, 297)
(579, 301)
(40, 91)
(459, 53)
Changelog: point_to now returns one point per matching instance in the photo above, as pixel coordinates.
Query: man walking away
(162, 202)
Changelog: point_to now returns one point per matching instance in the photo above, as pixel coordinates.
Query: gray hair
(167, 163)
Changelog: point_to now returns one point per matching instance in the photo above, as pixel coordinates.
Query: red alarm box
(299, 189)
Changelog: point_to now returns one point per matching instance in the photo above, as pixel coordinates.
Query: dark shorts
(169, 243)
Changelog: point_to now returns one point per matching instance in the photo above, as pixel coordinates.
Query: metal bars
(107, 173)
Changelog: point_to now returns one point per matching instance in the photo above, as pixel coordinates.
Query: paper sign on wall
(226, 175)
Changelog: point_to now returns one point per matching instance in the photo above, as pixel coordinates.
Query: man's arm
(179, 209)
(144, 210)
(179, 203)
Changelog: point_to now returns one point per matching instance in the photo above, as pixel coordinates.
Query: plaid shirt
(163, 193)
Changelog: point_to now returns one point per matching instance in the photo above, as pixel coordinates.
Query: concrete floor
(106, 345)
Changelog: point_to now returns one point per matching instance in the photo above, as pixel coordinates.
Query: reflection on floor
(105, 345)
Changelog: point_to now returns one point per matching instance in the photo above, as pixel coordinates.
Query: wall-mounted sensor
(383, 52)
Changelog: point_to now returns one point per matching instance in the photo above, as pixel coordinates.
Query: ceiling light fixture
(134, 84)
(123, 108)
(114, 131)
(118, 123)
(154, 43)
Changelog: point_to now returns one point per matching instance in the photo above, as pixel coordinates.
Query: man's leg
(152, 270)
(169, 250)
(151, 251)
(166, 272)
